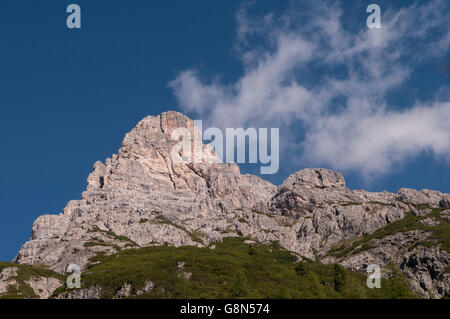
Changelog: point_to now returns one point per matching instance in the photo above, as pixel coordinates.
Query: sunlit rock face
(146, 194)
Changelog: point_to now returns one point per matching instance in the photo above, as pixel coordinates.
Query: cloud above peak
(328, 83)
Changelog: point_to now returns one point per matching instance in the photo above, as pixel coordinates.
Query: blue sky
(371, 105)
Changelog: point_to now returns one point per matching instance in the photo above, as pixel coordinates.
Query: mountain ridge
(141, 197)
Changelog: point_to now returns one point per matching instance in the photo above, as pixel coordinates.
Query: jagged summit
(140, 180)
(142, 197)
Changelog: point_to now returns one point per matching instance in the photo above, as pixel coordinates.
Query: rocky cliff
(142, 197)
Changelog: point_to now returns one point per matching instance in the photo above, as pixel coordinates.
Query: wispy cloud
(307, 69)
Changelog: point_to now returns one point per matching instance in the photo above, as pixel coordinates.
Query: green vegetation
(440, 234)
(350, 203)
(447, 270)
(22, 290)
(260, 213)
(378, 203)
(101, 243)
(163, 220)
(423, 243)
(232, 270)
(238, 270)
(113, 236)
(421, 206)
(276, 218)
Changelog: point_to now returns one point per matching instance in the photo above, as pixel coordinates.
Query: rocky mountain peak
(143, 194)
(142, 197)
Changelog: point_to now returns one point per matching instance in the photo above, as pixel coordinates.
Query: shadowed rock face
(141, 197)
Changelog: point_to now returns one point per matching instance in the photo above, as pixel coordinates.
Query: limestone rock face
(41, 286)
(418, 197)
(44, 286)
(315, 178)
(7, 279)
(445, 201)
(152, 193)
(308, 189)
(424, 267)
(147, 194)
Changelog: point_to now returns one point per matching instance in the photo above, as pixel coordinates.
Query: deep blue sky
(69, 96)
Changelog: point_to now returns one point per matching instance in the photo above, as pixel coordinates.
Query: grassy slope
(232, 270)
(238, 270)
(440, 234)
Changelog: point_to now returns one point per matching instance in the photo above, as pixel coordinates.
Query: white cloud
(375, 143)
(297, 65)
